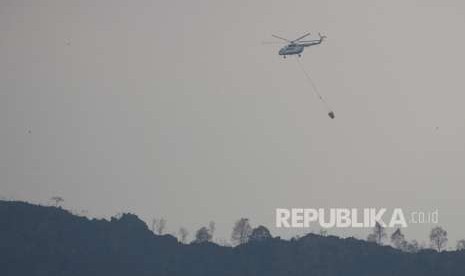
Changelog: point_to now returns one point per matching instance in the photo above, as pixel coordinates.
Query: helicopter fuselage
(292, 49)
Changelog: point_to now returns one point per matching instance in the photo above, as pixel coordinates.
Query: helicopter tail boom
(313, 42)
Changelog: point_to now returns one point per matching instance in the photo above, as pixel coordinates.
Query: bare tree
(460, 245)
(241, 231)
(398, 239)
(438, 238)
(183, 233)
(202, 235)
(211, 228)
(159, 226)
(57, 200)
(378, 234)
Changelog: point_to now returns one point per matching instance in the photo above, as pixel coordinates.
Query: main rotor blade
(282, 38)
(273, 42)
(308, 41)
(305, 35)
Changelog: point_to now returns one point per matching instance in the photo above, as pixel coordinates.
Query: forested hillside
(38, 240)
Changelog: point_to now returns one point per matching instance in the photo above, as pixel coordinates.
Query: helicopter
(296, 46)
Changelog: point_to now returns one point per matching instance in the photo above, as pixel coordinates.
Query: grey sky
(176, 109)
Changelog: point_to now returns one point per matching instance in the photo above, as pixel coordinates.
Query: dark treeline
(38, 240)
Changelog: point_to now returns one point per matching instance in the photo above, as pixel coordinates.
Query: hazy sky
(176, 109)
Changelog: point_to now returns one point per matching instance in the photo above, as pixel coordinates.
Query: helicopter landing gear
(284, 56)
(300, 55)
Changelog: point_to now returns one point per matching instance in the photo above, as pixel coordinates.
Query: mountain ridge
(44, 240)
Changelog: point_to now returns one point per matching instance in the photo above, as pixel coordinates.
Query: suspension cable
(315, 90)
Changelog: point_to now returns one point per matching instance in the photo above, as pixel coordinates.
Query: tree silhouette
(398, 239)
(323, 232)
(460, 245)
(202, 235)
(57, 200)
(378, 234)
(241, 231)
(159, 226)
(261, 233)
(412, 247)
(183, 233)
(211, 228)
(438, 238)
